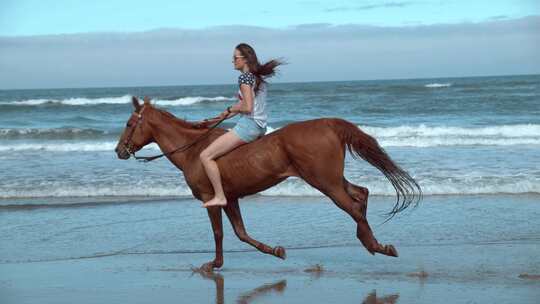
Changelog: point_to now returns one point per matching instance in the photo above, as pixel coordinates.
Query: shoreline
(479, 249)
(60, 201)
(309, 275)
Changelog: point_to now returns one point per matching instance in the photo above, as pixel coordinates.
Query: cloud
(316, 52)
(368, 7)
(499, 17)
(308, 26)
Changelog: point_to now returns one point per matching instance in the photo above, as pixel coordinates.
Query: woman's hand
(201, 124)
(223, 115)
(227, 113)
(206, 123)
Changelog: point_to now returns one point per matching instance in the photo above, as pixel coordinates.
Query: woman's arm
(227, 113)
(245, 105)
(223, 115)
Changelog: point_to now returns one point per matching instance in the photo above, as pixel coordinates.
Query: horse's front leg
(235, 217)
(214, 213)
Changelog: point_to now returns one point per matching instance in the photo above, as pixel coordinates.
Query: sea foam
(429, 136)
(452, 185)
(438, 85)
(402, 136)
(189, 100)
(68, 147)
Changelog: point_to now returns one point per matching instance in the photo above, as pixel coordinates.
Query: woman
(252, 109)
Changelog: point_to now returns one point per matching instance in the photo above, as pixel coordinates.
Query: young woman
(253, 115)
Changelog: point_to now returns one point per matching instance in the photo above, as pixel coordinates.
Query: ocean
(132, 231)
(455, 136)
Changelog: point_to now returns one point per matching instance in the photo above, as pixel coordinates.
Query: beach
(80, 225)
(421, 119)
(453, 249)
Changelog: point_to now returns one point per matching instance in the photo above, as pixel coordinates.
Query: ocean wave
(104, 190)
(403, 136)
(76, 101)
(512, 131)
(108, 146)
(80, 101)
(438, 85)
(439, 142)
(448, 186)
(54, 144)
(291, 187)
(52, 133)
(443, 189)
(184, 101)
(427, 136)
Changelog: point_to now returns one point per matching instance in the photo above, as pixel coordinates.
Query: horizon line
(278, 82)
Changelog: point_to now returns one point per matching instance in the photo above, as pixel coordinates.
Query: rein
(179, 149)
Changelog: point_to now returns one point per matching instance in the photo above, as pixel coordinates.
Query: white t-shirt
(259, 114)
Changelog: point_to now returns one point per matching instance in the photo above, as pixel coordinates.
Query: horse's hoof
(391, 251)
(280, 252)
(208, 267)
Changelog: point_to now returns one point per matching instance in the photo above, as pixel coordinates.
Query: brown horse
(313, 150)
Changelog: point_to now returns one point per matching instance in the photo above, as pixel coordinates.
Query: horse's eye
(128, 125)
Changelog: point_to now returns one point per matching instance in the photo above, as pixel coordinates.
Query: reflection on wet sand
(279, 287)
(373, 299)
(246, 297)
(218, 280)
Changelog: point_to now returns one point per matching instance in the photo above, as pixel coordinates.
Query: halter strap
(179, 149)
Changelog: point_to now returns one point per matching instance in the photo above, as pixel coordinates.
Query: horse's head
(137, 133)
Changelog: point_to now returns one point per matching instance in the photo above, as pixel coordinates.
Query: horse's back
(310, 132)
(270, 159)
(308, 136)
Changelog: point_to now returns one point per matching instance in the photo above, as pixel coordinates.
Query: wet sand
(468, 249)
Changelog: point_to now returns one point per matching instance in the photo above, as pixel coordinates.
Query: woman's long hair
(261, 71)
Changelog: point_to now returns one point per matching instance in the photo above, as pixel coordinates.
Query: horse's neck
(170, 134)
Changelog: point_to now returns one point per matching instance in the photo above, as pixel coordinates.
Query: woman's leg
(218, 147)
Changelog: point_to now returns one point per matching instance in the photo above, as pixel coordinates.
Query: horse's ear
(136, 104)
(146, 100)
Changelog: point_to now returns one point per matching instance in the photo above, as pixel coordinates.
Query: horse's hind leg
(235, 217)
(353, 200)
(363, 232)
(359, 194)
(327, 177)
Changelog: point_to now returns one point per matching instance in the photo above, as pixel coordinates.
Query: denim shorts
(248, 130)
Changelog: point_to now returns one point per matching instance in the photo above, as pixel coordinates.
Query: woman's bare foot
(216, 201)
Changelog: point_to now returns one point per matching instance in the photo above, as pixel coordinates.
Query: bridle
(128, 145)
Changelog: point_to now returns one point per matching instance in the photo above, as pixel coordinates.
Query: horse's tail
(363, 145)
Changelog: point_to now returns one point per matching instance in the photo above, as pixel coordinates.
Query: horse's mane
(183, 123)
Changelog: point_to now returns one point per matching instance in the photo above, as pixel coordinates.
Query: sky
(123, 43)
